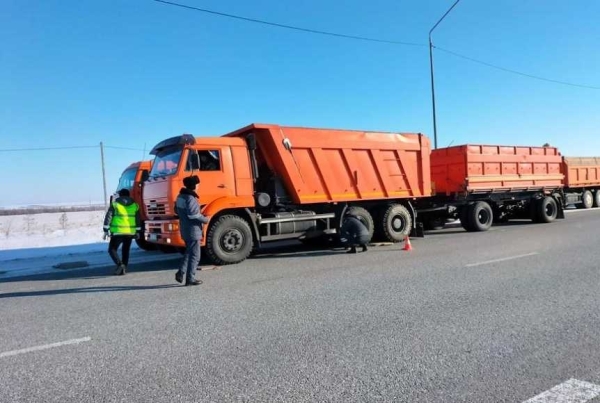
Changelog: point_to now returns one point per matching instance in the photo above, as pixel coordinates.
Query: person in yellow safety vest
(122, 223)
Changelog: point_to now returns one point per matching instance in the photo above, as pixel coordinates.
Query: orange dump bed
(581, 172)
(483, 168)
(325, 165)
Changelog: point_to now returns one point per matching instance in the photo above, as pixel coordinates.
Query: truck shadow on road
(85, 290)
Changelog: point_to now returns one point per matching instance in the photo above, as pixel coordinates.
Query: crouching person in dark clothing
(123, 222)
(191, 222)
(354, 233)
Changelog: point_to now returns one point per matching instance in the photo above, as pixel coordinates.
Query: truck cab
(223, 167)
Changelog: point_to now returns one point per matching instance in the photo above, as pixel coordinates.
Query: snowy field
(40, 231)
(34, 243)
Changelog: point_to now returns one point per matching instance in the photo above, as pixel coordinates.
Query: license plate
(152, 237)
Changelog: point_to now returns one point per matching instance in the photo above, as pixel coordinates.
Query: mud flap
(417, 231)
(561, 212)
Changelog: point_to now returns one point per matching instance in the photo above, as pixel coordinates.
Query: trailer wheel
(396, 223)
(597, 198)
(587, 200)
(364, 216)
(229, 240)
(547, 210)
(480, 216)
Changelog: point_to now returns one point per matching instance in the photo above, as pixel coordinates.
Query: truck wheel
(145, 245)
(396, 223)
(587, 200)
(364, 216)
(480, 216)
(597, 198)
(229, 240)
(546, 210)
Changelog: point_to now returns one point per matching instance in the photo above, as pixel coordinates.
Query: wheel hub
(397, 224)
(232, 240)
(483, 217)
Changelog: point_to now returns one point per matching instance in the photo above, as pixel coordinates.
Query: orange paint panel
(582, 172)
(330, 165)
(486, 168)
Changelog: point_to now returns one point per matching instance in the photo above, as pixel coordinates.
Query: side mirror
(145, 175)
(251, 141)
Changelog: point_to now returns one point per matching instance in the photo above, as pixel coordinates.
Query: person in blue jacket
(354, 233)
(191, 222)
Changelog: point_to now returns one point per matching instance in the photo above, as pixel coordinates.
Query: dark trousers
(113, 246)
(191, 259)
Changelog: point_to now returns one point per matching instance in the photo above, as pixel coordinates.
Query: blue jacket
(191, 220)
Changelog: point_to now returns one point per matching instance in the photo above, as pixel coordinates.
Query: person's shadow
(83, 290)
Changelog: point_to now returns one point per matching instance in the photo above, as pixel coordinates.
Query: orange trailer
(266, 183)
(481, 184)
(582, 181)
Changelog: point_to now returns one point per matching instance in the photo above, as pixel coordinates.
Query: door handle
(222, 186)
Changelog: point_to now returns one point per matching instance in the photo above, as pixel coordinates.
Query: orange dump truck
(582, 181)
(133, 178)
(482, 184)
(266, 183)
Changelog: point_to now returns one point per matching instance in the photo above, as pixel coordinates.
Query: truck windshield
(127, 179)
(166, 162)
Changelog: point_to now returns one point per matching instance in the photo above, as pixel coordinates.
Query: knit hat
(124, 192)
(190, 182)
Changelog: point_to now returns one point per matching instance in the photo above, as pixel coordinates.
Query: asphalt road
(500, 316)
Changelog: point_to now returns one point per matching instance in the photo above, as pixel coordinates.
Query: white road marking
(44, 347)
(501, 260)
(571, 391)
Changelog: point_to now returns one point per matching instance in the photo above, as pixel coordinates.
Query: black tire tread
(210, 241)
(389, 236)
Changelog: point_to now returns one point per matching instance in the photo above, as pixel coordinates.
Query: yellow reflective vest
(123, 220)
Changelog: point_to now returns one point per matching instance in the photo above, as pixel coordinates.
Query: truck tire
(364, 216)
(587, 200)
(597, 198)
(145, 245)
(479, 216)
(547, 209)
(229, 240)
(396, 223)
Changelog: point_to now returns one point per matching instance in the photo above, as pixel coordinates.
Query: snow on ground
(42, 231)
(34, 243)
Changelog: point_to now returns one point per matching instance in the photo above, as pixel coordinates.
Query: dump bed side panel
(484, 168)
(581, 172)
(323, 165)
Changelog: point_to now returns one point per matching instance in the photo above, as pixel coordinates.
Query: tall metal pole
(103, 173)
(431, 70)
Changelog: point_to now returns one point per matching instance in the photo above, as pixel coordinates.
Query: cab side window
(210, 160)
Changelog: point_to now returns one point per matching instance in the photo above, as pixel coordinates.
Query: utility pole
(431, 70)
(103, 173)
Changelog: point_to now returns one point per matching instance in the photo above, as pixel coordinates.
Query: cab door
(215, 172)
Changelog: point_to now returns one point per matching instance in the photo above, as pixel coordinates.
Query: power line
(313, 31)
(124, 148)
(514, 71)
(377, 40)
(45, 148)
(66, 148)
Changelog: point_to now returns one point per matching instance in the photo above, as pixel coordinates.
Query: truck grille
(154, 209)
